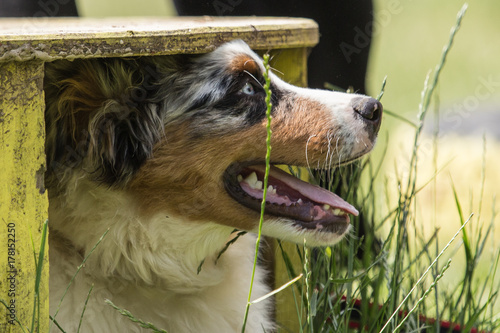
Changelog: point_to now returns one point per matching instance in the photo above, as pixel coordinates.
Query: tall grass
(386, 279)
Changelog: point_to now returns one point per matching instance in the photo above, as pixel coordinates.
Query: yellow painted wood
(23, 201)
(292, 64)
(51, 39)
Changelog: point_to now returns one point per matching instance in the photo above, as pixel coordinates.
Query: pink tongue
(313, 192)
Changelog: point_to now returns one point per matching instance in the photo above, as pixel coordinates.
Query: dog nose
(369, 108)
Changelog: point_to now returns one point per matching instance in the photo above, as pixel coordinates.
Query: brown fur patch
(244, 63)
(184, 177)
(305, 127)
(82, 95)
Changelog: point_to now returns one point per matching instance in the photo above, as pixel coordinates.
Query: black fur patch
(100, 117)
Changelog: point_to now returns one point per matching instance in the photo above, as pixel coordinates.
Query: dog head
(185, 136)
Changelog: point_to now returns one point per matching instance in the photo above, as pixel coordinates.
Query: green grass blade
(434, 283)
(425, 274)
(76, 273)
(267, 89)
(57, 324)
(132, 318)
(429, 92)
(275, 291)
(84, 308)
(382, 89)
(15, 317)
(39, 269)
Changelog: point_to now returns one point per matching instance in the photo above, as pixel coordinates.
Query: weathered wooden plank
(23, 201)
(25, 39)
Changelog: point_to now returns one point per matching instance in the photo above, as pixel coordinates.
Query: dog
(152, 165)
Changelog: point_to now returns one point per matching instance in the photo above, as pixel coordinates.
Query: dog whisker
(329, 153)
(307, 145)
(253, 77)
(277, 71)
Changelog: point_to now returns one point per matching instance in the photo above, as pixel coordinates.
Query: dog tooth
(271, 189)
(258, 185)
(299, 201)
(337, 211)
(251, 179)
(326, 207)
(239, 178)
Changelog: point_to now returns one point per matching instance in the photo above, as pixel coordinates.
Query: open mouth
(309, 206)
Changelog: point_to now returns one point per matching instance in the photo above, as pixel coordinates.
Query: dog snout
(368, 108)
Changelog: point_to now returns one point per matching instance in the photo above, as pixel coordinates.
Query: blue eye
(248, 89)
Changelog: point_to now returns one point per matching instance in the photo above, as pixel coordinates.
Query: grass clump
(386, 279)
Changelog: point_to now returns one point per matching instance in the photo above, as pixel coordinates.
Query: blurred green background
(409, 44)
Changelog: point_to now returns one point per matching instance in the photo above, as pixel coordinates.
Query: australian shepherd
(164, 156)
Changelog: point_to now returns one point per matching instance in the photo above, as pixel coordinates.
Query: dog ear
(101, 117)
(122, 135)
